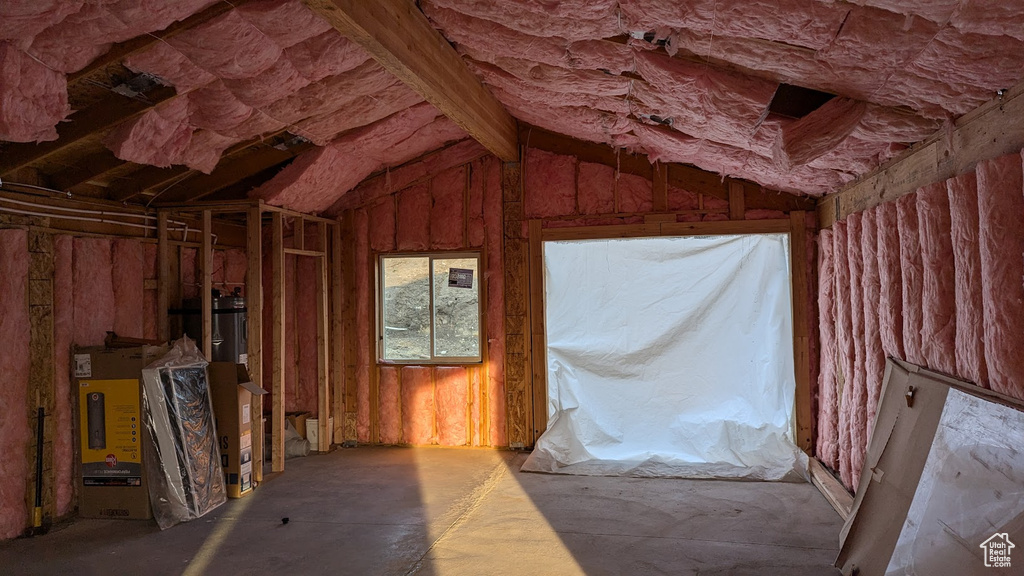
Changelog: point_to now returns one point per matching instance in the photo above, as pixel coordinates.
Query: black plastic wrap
(186, 480)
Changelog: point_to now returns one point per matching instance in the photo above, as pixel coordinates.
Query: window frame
(431, 257)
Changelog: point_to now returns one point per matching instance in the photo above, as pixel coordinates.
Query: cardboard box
(112, 479)
(298, 421)
(232, 390)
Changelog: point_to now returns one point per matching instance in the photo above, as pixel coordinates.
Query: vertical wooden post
(349, 326)
(660, 185)
(42, 374)
(517, 351)
(299, 233)
(801, 331)
(538, 346)
(277, 413)
(737, 208)
(206, 293)
(336, 341)
(163, 286)
(324, 434)
(254, 323)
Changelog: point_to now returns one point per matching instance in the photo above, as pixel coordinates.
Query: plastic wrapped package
(185, 476)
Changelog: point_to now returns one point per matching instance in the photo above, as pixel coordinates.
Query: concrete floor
(459, 511)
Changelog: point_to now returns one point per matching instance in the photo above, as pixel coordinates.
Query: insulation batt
(33, 98)
(569, 20)
(913, 270)
(828, 432)
(970, 341)
(63, 341)
(890, 276)
(844, 339)
(413, 232)
(447, 191)
(874, 358)
(15, 434)
(390, 406)
(126, 275)
(549, 184)
(1001, 239)
(938, 292)
(857, 379)
(363, 327)
(94, 290)
(635, 193)
(596, 188)
(451, 396)
(305, 303)
(418, 405)
(475, 209)
(382, 225)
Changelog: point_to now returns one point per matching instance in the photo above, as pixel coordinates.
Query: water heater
(228, 325)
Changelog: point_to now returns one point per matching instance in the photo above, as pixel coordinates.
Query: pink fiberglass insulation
(475, 209)
(158, 137)
(292, 392)
(447, 190)
(390, 412)
(1001, 239)
(874, 357)
(149, 309)
(938, 290)
(912, 265)
(94, 291)
(451, 397)
(890, 276)
(844, 339)
(549, 184)
(306, 393)
(763, 215)
(817, 133)
(127, 276)
(413, 227)
(418, 405)
(596, 194)
(406, 175)
(494, 276)
(857, 380)
(635, 193)
(570, 20)
(364, 326)
(315, 180)
(970, 330)
(171, 67)
(382, 225)
(15, 433)
(63, 341)
(679, 199)
(25, 19)
(236, 265)
(33, 98)
(475, 411)
(828, 408)
(189, 273)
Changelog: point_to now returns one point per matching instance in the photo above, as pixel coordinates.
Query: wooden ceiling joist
(403, 41)
(103, 115)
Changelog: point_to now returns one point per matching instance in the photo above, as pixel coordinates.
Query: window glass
(406, 308)
(456, 308)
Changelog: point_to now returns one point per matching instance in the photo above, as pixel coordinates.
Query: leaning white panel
(670, 357)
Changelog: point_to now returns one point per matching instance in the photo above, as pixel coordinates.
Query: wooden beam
(325, 432)
(401, 38)
(103, 115)
(337, 332)
(206, 292)
(85, 170)
(254, 326)
(277, 295)
(833, 490)
(737, 201)
(994, 129)
(659, 186)
(538, 345)
(801, 329)
(164, 281)
(518, 400)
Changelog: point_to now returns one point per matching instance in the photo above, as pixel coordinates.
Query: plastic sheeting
(185, 476)
(670, 357)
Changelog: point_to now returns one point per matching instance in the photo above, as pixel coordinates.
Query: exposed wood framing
(349, 326)
(206, 291)
(519, 404)
(667, 229)
(801, 329)
(831, 489)
(337, 331)
(538, 341)
(164, 281)
(42, 374)
(103, 115)
(994, 129)
(737, 208)
(254, 325)
(401, 38)
(325, 432)
(277, 412)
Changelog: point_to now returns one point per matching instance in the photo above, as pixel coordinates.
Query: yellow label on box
(111, 425)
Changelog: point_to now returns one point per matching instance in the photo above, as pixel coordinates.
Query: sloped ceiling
(257, 84)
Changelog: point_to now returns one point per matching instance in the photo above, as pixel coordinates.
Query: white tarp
(670, 357)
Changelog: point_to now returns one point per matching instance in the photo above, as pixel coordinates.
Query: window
(429, 308)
